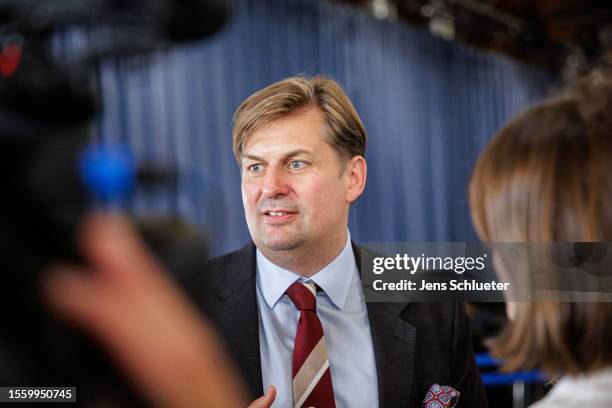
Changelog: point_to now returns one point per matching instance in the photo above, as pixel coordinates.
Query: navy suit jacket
(415, 344)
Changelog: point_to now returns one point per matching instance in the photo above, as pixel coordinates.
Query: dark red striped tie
(312, 384)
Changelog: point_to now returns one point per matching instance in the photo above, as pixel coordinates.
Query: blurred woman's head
(547, 177)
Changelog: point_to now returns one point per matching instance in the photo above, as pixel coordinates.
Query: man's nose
(275, 183)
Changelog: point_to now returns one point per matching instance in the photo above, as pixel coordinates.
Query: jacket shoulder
(228, 273)
(232, 259)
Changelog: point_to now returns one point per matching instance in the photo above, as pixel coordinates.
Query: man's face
(292, 190)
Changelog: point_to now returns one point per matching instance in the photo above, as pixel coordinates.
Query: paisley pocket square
(441, 396)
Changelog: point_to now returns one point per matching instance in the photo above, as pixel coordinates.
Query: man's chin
(282, 244)
(289, 246)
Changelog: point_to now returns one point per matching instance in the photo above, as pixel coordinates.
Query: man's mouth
(277, 213)
(278, 216)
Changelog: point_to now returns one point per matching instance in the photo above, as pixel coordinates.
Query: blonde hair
(547, 177)
(347, 134)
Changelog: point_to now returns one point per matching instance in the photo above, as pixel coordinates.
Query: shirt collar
(334, 279)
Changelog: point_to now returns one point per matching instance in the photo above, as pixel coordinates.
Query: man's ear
(355, 173)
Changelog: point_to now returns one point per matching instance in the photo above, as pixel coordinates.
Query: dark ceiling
(568, 36)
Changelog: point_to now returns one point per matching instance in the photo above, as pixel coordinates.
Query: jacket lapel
(394, 342)
(236, 288)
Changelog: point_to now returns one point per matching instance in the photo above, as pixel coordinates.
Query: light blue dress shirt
(342, 310)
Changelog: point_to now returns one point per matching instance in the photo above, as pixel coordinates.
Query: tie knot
(303, 295)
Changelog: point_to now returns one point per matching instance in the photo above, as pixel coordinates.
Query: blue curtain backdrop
(429, 107)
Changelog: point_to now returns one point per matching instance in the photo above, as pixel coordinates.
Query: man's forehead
(277, 151)
(280, 152)
(304, 132)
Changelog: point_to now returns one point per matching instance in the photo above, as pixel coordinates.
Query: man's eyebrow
(252, 157)
(297, 152)
(288, 155)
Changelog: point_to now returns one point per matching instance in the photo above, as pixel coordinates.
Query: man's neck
(306, 261)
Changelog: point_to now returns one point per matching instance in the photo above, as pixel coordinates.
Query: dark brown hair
(547, 177)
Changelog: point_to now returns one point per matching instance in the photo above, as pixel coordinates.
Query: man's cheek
(249, 194)
(327, 197)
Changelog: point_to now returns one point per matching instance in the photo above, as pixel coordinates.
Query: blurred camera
(52, 174)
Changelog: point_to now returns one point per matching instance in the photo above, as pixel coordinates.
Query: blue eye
(255, 168)
(296, 165)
